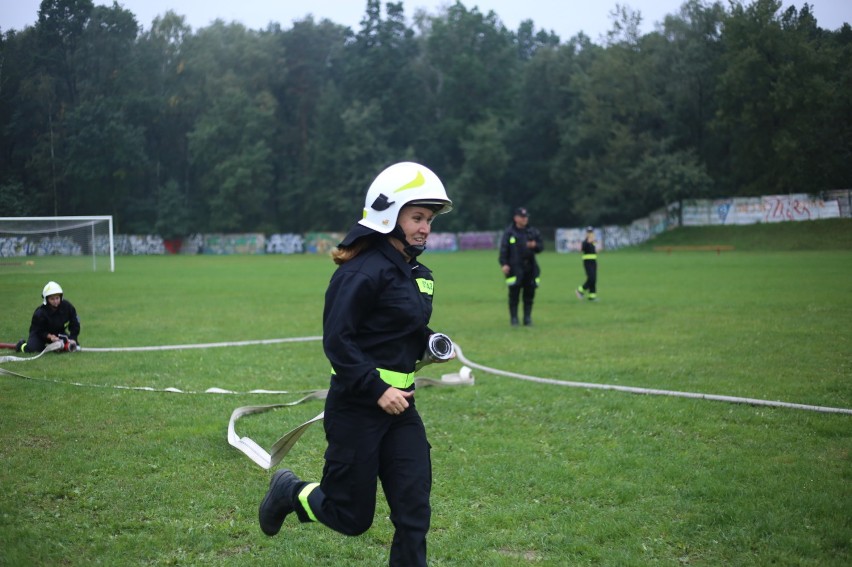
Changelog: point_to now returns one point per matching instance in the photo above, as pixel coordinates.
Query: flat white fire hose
(281, 447)
(268, 459)
(203, 345)
(649, 391)
(49, 348)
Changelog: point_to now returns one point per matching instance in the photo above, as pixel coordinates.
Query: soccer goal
(49, 244)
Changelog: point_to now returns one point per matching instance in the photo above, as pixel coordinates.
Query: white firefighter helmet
(404, 183)
(51, 288)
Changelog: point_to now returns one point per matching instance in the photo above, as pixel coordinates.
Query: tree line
(227, 129)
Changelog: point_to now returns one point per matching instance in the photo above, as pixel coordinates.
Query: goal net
(54, 244)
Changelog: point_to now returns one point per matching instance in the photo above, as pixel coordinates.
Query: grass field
(525, 473)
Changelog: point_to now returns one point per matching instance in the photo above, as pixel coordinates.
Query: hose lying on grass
(280, 448)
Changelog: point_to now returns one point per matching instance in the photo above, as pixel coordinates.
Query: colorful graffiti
(703, 212)
(442, 242)
(20, 246)
(222, 244)
(322, 242)
(138, 245)
(698, 212)
(478, 240)
(285, 244)
(751, 210)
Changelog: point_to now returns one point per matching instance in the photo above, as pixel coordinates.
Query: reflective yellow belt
(393, 378)
(396, 379)
(590, 256)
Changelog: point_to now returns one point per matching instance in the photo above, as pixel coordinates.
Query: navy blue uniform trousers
(365, 443)
(591, 267)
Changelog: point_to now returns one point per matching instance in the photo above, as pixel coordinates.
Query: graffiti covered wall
(138, 245)
(751, 210)
(254, 243)
(485, 240)
(285, 244)
(322, 242)
(704, 212)
(442, 242)
(614, 237)
(698, 212)
(570, 239)
(53, 246)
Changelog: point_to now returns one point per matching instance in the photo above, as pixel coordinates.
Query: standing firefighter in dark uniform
(590, 265)
(375, 334)
(518, 247)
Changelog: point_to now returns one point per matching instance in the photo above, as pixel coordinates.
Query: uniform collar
(357, 231)
(394, 255)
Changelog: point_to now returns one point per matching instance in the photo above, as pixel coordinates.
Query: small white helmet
(52, 288)
(401, 184)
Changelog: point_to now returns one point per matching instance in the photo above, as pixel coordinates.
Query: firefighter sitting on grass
(54, 320)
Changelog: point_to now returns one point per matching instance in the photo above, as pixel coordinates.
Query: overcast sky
(565, 17)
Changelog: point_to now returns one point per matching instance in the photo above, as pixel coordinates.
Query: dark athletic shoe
(278, 501)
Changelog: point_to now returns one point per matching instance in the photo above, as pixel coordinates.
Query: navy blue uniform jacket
(63, 321)
(377, 311)
(514, 252)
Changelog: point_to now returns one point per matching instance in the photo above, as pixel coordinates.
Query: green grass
(525, 473)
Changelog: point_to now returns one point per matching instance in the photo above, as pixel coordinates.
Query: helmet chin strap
(412, 250)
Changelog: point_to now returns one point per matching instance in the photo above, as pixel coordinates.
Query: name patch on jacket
(425, 286)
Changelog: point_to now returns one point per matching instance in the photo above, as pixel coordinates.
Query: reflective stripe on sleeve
(303, 500)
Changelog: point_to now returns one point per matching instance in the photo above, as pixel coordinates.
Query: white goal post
(27, 240)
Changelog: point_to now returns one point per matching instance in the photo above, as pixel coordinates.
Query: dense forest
(227, 129)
